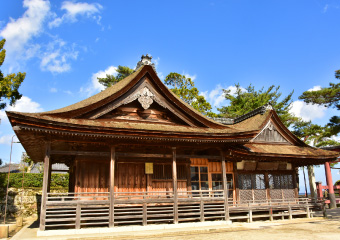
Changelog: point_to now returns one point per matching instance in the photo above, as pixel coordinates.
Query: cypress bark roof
(84, 118)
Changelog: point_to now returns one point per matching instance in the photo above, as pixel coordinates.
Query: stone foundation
(26, 203)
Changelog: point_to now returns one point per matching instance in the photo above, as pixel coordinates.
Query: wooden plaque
(148, 168)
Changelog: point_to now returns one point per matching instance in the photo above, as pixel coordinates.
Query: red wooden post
(319, 189)
(330, 185)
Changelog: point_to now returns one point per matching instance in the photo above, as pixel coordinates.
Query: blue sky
(64, 45)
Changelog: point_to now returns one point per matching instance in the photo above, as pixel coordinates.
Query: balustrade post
(202, 210)
(78, 216)
(145, 216)
(45, 186)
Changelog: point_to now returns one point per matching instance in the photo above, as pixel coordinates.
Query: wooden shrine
(140, 155)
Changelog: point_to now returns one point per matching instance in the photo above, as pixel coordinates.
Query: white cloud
(217, 97)
(18, 32)
(315, 88)
(6, 139)
(307, 112)
(325, 8)
(187, 75)
(95, 86)
(156, 61)
(53, 90)
(73, 10)
(55, 58)
(68, 92)
(25, 104)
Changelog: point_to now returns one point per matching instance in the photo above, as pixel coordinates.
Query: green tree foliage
(109, 80)
(185, 88)
(246, 100)
(9, 84)
(314, 134)
(33, 180)
(328, 97)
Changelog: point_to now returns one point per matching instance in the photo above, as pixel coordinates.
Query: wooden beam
(45, 183)
(80, 153)
(174, 180)
(225, 186)
(112, 184)
(141, 155)
(146, 155)
(199, 156)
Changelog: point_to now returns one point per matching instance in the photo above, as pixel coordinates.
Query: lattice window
(251, 181)
(259, 182)
(245, 181)
(199, 178)
(280, 181)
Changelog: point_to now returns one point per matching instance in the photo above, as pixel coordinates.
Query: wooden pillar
(295, 185)
(174, 184)
(330, 185)
(49, 176)
(188, 177)
(45, 183)
(112, 184)
(225, 187)
(236, 181)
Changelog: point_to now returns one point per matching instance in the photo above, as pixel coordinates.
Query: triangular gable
(142, 102)
(145, 92)
(274, 131)
(270, 134)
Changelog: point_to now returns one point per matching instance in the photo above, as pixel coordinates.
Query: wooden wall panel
(131, 177)
(199, 161)
(229, 166)
(92, 176)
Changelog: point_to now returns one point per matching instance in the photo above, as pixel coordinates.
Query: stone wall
(26, 202)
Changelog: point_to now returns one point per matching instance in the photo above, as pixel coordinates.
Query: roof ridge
(231, 121)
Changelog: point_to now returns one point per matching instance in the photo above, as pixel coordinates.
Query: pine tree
(328, 97)
(246, 100)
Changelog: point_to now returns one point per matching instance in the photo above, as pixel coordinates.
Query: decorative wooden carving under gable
(141, 103)
(270, 134)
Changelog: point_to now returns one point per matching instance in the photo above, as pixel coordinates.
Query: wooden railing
(80, 210)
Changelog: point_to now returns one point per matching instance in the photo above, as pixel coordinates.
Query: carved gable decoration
(141, 103)
(270, 134)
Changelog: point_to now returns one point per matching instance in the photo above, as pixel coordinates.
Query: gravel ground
(303, 228)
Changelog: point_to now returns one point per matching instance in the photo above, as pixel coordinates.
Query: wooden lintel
(80, 153)
(141, 155)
